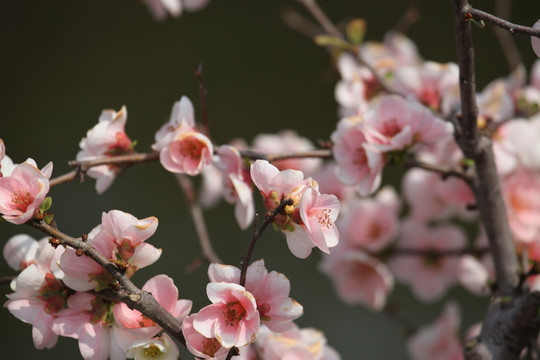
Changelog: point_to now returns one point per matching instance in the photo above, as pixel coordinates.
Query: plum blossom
(294, 344)
(358, 278)
(535, 42)
(359, 161)
(120, 238)
(182, 148)
(160, 348)
(271, 292)
(404, 123)
(370, 224)
(107, 138)
(86, 319)
(200, 346)
(166, 294)
(23, 191)
(429, 275)
(434, 85)
(236, 184)
(38, 292)
(521, 192)
(309, 221)
(232, 319)
(287, 141)
(329, 184)
(439, 340)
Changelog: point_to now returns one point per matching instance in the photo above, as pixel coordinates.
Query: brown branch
(208, 253)
(202, 96)
(134, 297)
(445, 171)
(440, 253)
(83, 166)
(469, 11)
(299, 23)
(319, 153)
(503, 9)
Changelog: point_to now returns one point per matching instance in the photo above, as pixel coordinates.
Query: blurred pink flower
(358, 278)
(439, 340)
(201, 346)
(23, 191)
(430, 274)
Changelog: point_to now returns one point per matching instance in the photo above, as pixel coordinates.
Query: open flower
(199, 345)
(107, 138)
(160, 348)
(120, 238)
(23, 191)
(183, 149)
(232, 318)
(271, 292)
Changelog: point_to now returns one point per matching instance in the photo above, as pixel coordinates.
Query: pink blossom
(521, 192)
(23, 191)
(86, 319)
(106, 139)
(38, 292)
(183, 149)
(271, 292)
(161, 8)
(21, 250)
(473, 275)
(434, 85)
(236, 184)
(233, 318)
(404, 123)
(309, 221)
(120, 238)
(358, 278)
(287, 141)
(535, 42)
(166, 294)
(294, 344)
(329, 183)
(429, 275)
(371, 223)
(353, 90)
(200, 346)
(438, 341)
(359, 161)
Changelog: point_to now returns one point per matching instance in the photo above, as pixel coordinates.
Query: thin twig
(299, 23)
(134, 297)
(202, 96)
(198, 219)
(322, 18)
(445, 171)
(83, 166)
(503, 9)
(439, 253)
(319, 153)
(469, 11)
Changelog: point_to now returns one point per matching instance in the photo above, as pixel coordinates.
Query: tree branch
(134, 297)
(469, 11)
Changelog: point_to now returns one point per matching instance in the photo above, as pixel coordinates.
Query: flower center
(122, 145)
(324, 219)
(430, 98)
(191, 147)
(152, 351)
(234, 313)
(21, 200)
(146, 322)
(390, 128)
(210, 346)
(359, 157)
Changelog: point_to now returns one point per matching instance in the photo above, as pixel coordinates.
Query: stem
(321, 17)
(503, 9)
(202, 95)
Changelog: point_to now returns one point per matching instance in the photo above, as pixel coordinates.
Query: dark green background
(62, 62)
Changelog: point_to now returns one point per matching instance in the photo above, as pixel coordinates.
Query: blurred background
(64, 61)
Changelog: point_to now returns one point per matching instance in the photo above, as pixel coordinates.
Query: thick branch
(134, 297)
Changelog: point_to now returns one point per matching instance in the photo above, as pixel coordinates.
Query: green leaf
(327, 40)
(46, 204)
(48, 218)
(479, 23)
(356, 30)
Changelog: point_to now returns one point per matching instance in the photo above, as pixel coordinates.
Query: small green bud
(46, 204)
(356, 29)
(48, 218)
